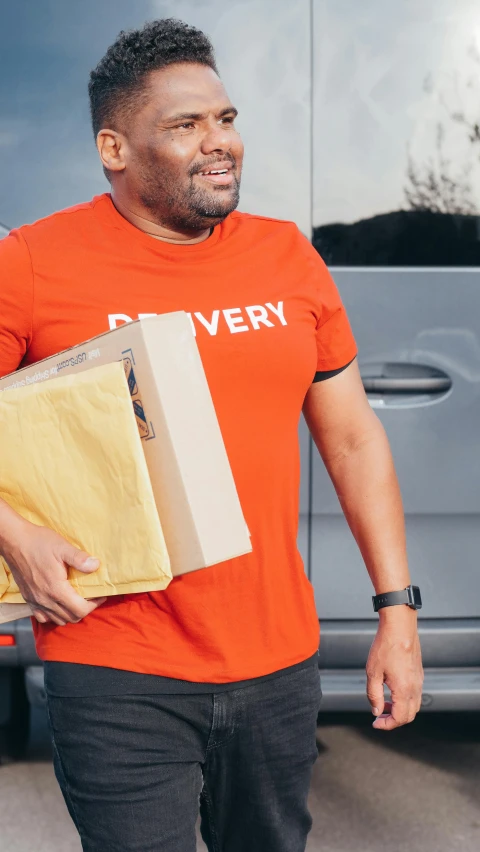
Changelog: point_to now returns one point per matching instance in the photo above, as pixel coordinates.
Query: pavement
(417, 788)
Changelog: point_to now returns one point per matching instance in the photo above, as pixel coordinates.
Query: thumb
(375, 693)
(79, 559)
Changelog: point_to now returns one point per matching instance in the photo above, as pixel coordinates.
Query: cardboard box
(12, 612)
(192, 481)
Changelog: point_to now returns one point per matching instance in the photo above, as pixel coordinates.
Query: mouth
(221, 174)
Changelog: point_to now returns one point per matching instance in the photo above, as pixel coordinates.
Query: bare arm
(356, 453)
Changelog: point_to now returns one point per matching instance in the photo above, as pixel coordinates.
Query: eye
(186, 125)
(228, 119)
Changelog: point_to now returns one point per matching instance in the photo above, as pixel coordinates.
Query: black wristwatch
(410, 596)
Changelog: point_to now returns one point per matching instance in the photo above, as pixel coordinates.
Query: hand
(395, 659)
(38, 559)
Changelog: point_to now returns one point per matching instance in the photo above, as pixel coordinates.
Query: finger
(375, 693)
(67, 606)
(55, 610)
(79, 559)
(60, 622)
(47, 609)
(62, 615)
(74, 607)
(380, 721)
(64, 611)
(40, 616)
(53, 604)
(52, 616)
(397, 713)
(419, 697)
(90, 606)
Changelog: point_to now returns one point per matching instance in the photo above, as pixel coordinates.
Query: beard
(182, 205)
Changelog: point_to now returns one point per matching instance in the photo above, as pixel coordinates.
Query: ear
(111, 147)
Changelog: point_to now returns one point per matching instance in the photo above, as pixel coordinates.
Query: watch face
(417, 598)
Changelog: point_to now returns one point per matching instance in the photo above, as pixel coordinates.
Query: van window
(397, 133)
(48, 156)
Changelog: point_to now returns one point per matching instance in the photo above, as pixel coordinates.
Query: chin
(209, 221)
(213, 207)
(215, 213)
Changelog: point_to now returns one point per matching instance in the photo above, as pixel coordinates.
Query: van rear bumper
(451, 658)
(451, 643)
(443, 690)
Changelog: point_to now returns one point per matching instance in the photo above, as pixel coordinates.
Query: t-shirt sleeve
(16, 301)
(336, 346)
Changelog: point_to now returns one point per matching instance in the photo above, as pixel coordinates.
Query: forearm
(356, 453)
(366, 484)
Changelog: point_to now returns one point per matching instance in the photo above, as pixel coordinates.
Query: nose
(217, 138)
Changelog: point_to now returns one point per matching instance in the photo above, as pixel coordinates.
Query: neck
(153, 229)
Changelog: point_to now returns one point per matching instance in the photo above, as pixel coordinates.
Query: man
(206, 693)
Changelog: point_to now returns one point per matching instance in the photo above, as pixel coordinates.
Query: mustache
(209, 163)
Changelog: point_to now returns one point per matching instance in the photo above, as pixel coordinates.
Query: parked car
(19, 665)
(343, 138)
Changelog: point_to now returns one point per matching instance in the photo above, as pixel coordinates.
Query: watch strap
(391, 599)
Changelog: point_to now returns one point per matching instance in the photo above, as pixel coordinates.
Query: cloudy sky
(386, 72)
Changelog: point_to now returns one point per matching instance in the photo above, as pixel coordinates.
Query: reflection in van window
(397, 133)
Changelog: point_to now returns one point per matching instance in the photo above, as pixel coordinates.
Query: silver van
(360, 122)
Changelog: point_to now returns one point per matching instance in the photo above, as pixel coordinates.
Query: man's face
(183, 155)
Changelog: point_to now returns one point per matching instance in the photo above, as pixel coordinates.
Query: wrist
(409, 596)
(401, 614)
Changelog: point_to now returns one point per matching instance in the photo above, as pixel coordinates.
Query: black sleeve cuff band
(328, 374)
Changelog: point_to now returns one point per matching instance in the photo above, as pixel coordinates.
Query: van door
(396, 216)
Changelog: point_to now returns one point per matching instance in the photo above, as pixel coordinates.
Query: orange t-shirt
(267, 316)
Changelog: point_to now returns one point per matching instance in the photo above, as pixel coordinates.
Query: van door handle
(382, 385)
(404, 378)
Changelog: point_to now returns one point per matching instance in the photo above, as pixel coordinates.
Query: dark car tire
(15, 733)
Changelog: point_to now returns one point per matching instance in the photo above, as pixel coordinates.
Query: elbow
(356, 439)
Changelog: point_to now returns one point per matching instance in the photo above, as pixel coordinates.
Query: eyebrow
(199, 116)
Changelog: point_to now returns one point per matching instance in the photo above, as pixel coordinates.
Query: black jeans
(135, 769)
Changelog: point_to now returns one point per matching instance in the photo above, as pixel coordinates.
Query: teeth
(218, 172)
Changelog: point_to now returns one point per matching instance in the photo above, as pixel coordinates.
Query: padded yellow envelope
(71, 459)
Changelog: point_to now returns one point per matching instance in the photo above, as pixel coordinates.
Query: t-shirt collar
(105, 208)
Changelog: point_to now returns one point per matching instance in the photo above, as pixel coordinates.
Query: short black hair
(118, 80)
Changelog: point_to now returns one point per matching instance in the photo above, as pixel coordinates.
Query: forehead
(185, 87)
